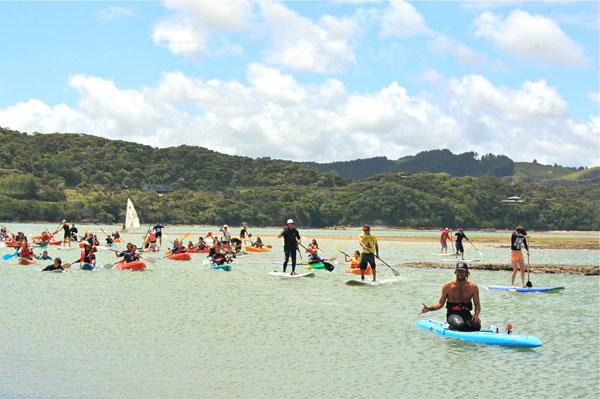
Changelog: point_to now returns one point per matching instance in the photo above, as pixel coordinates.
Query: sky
(310, 81)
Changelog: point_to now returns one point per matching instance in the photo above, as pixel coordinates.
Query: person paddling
(129, 255)
(158, 228)
(44, 256)
(459, 295)
(370, 251)
(444, 238)
(460, 236)
(244, 234)
(354, 260)
(88, 254)
(518, 239)
(291, 239)
(66, 233)
(56, 265)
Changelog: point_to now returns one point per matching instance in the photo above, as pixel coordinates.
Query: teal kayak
(480, 337)
(316, 266)
(226, 268)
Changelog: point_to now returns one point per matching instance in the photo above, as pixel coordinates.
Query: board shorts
(152, 245)
(516, 256)
(365, 260)
(444, 244)
(459, 248)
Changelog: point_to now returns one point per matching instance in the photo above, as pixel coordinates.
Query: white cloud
(594, 97)
(443, 44)
(188, 30)
(272, 114)
(431, 76)
(533, 37)
(180, 36)
(300, 44)
(113, 12)
(402, 20)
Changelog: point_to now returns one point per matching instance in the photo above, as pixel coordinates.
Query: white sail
(131, 216)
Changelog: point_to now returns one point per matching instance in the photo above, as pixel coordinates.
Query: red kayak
(180, 256)
(137, 265)
(197, 251)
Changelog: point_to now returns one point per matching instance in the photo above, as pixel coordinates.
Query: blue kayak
(524, 289)
(87, 266)
(480, 337)
(227, 268)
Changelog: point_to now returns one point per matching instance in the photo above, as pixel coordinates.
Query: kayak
(197, 251)
(117, 240)
(287, 275)
(480, 337)
(524, 289)
(11, 243)
(26, 262)
(317, 266)
(254, 249)
(136, 265)
(54, 242)
(226, 268)
(180, 256)
(87, 266)
(356, 270)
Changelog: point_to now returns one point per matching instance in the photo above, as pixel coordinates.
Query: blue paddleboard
(480, 337)
(525, 289)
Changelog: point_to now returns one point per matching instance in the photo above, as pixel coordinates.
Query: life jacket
(151, 237)
(25, 252)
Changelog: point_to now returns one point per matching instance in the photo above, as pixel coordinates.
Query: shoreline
(581, 270)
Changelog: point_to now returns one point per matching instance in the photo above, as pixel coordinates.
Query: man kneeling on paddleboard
(460, 295)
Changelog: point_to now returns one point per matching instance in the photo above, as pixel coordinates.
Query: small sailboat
(132, 221)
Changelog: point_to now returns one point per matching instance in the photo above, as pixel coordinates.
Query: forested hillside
(87, 178)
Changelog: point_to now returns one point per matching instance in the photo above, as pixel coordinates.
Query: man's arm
(280, 234)
(440, 304)
(477, 304)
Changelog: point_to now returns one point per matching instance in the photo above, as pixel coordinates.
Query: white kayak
(288, 275)
(372, 283)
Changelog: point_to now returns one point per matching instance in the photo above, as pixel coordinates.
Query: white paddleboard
(371, 283)
(461, 260)
(438, 254)
(288, 275)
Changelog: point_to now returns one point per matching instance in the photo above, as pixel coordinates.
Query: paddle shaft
(396, 273)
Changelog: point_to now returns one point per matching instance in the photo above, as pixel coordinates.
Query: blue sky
(310, 80)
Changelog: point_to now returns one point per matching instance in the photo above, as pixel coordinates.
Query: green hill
(529, 170)
(86, 178)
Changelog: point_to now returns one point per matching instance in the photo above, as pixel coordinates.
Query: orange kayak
(180, 256)
(254, 249)
(26, 262)
(137, 265)
(357, 270)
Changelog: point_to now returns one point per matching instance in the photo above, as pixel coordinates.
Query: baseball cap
(290, 221)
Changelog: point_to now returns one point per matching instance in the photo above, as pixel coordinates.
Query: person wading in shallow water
(459, 295)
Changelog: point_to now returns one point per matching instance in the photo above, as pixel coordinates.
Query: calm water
(181, 330)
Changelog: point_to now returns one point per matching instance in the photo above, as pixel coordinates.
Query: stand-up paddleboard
(524, 289)
(460, 260)
(439, 254)
(480, 337)
(371, 283)
(288, 275)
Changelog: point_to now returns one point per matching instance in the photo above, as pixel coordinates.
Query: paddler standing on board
(370, 251)
(291, 239)
(460, 250)
(518, 240)
(459, 295)
(158, 228)
(444, 238)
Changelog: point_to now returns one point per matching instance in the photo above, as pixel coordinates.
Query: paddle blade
(8, 256)
(66, 265)
(109, 265)
(269, 246)
(328, 266)
(529, 284)
(227, 268)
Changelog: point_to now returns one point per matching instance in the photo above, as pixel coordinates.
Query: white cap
(225, 226)
(290, 221)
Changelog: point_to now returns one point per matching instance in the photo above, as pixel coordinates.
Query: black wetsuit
(128, 256)
(290, 246)
(517, 240)
(73, 231)
(459, 246)
(463, 310)
(67, 231)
